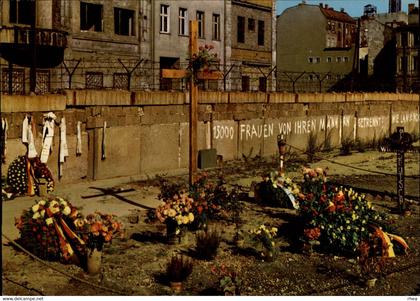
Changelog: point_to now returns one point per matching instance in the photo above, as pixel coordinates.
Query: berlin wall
(147, 132)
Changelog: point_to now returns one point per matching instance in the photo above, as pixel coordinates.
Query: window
(94, 80)
(251, 24)
(318, 60)
(261, 33)
(346, 59)
(329, 59)
(22, 12)
(262, 84)
(241, 30)
(124, 21)
(164, 18)
(200, 20)
(245, 83)
(328, 77)
(310, 60)
(91, 17)
(120, 81)
(183, 22)
(216, 27)
(414, 63)
(338, 59)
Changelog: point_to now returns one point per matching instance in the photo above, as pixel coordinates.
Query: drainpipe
(224, 42)
(152, 37)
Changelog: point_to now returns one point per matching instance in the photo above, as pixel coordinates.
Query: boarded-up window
(94, 80)
(91, 16)
(241, 30)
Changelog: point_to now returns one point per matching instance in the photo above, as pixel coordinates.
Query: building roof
(330, 13)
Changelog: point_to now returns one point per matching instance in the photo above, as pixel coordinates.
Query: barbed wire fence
(145, 75)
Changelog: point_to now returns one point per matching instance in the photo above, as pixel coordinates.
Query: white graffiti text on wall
(223, 132)
(370, 122)
(405, 117)
(250, 131)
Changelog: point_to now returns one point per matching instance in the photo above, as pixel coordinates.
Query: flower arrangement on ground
(54, 229)
(277, 191)
(336, 217)
(264, 236)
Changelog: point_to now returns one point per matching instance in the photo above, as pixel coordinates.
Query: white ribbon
(79, 139)
(28, 136)
(103, 156)
(64, 151)
(25, 126)
(47, 136)
(5, 128)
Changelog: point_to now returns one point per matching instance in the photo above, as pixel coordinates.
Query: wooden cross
(178, 74)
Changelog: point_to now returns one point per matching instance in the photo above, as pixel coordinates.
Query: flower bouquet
(176, 213)
(203, 60)
(265, 237)
(99, 229)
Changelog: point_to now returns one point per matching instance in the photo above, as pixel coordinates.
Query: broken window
(200, 20)
(241, 30)
(91, 17)
(251, 24)
(124, 21)
(216, 27)
(183, 21)
(261, 33)
(22, 11)
(164, 18)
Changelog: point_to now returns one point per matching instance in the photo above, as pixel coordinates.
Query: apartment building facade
(317, 40)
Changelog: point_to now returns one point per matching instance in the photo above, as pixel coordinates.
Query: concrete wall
(147, 132)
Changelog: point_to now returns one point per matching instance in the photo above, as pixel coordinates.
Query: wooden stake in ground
(178, 74)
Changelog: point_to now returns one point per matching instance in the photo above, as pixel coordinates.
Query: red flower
(312, 234)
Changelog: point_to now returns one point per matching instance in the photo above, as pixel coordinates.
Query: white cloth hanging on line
(4, 128)
(28, 128)
(63, 151)
(79, 139)
(103, 148)
(47, 136)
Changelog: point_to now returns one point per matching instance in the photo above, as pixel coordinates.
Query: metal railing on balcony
(24, 35)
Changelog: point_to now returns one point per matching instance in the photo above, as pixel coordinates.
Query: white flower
(36, 215)
(42, 202)
(35, 208)
(49, 221)
(54, 210)
(53, 203)
(66, 210)
(42, 212)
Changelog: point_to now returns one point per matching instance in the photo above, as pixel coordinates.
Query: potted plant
(207, 243)
(177, 271)
(202, 61)
(176, 213)
(100, 228)
(265, 237)
(229, 283)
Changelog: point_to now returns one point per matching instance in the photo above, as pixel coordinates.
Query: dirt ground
(135, 265)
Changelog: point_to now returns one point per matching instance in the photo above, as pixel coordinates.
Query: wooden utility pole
(178, 74)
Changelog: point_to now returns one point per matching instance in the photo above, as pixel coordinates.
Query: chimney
(411, 7)
(326, 6)
(320, 5)
(342, 10)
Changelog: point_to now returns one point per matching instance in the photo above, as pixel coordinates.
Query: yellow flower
(49, 221)
(42, 212)
(42, 202)
(35, 208)
(171, 212)
(191, 217)
(66, 210)
(36, 215)
(369, 205)
(185, 219)
(178, 219)
(272, 243)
